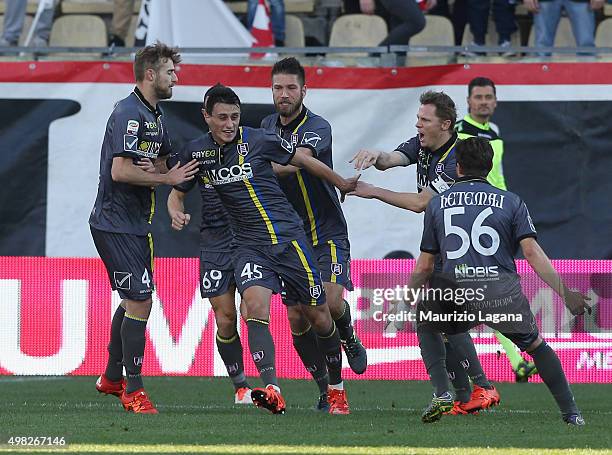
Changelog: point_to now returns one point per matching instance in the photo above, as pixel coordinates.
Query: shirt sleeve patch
(130, 143)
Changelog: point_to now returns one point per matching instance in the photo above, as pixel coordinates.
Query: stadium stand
(603, 34)
(30, 9)
(291, 6)
(294, 31)
(357, 30)
(438, 31)
(563, 38)
(26, 27)
(84, 30)
(491, 38)
(91, 6)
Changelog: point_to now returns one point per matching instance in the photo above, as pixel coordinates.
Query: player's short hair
(290, 65)
(475, 156)
(217, 85)
(398, 254)
(481, 82)
(220, 94)
(445, 106)
(152, 57)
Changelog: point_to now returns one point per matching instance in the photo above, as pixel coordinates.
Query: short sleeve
(166, 148)
(184, 156)
(275, 148)
(127, 128)
(429, 240)
(410, 149)
(522, 224)
(317, 138)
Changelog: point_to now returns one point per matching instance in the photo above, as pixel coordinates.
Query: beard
(163, 93)
(289, 110)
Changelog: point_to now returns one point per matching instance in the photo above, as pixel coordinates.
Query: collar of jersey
(482, 126)
(468, 178)
(236, 139)
(293, 124)
(143, 100)
(447, 148)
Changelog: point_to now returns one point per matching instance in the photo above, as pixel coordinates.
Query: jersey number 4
(477, 231)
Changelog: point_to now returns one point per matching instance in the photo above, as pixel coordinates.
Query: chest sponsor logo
(149, 149)
(205, 156)
(151, 125)
(243, 149)
(294, 139)
(235, 173)
(336, 268)
(439, 168)
(464, 272)
(311, 138)
(132, 127)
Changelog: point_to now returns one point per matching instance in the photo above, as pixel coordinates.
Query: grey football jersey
(476, 228)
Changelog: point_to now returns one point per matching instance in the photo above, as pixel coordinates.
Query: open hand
(178, 175)
(364, 159)
(576, 302)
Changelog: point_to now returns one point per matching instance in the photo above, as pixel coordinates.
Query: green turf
(197, 414)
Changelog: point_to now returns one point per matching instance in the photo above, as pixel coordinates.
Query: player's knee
(139, 308)
(297, 320)
(319, 317)
(256, 307)
(533, 346)
(334, 300)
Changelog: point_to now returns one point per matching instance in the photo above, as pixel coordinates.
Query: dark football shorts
(334, 261)
(128, 260)
(216, 273)
(292, 263)
(509, 315)
(522, 333)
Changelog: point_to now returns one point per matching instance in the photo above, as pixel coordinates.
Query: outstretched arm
(381, 160)
(303, 159)
(415, 202)
(574, 301)
(124, 170)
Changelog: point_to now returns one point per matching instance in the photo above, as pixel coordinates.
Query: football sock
(329, 344)
(433, 354)
(306, 345)
(466, 353)
(133, 338)
(551, 372)
(230, 350)
(261, 346)
(344, 322)
(114, 366)
(513, 355)
(458, 375)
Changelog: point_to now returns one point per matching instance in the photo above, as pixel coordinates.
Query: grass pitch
(197, 415)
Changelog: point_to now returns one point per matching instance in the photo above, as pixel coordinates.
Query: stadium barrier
(553, 118)
(55, 315)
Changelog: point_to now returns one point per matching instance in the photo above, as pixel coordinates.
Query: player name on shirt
(472, 198)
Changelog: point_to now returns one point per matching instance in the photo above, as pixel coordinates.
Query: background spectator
(547, 13)
(277, 17)
(503, 15)
(120, 23)
(14, 17)
(404, 18)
